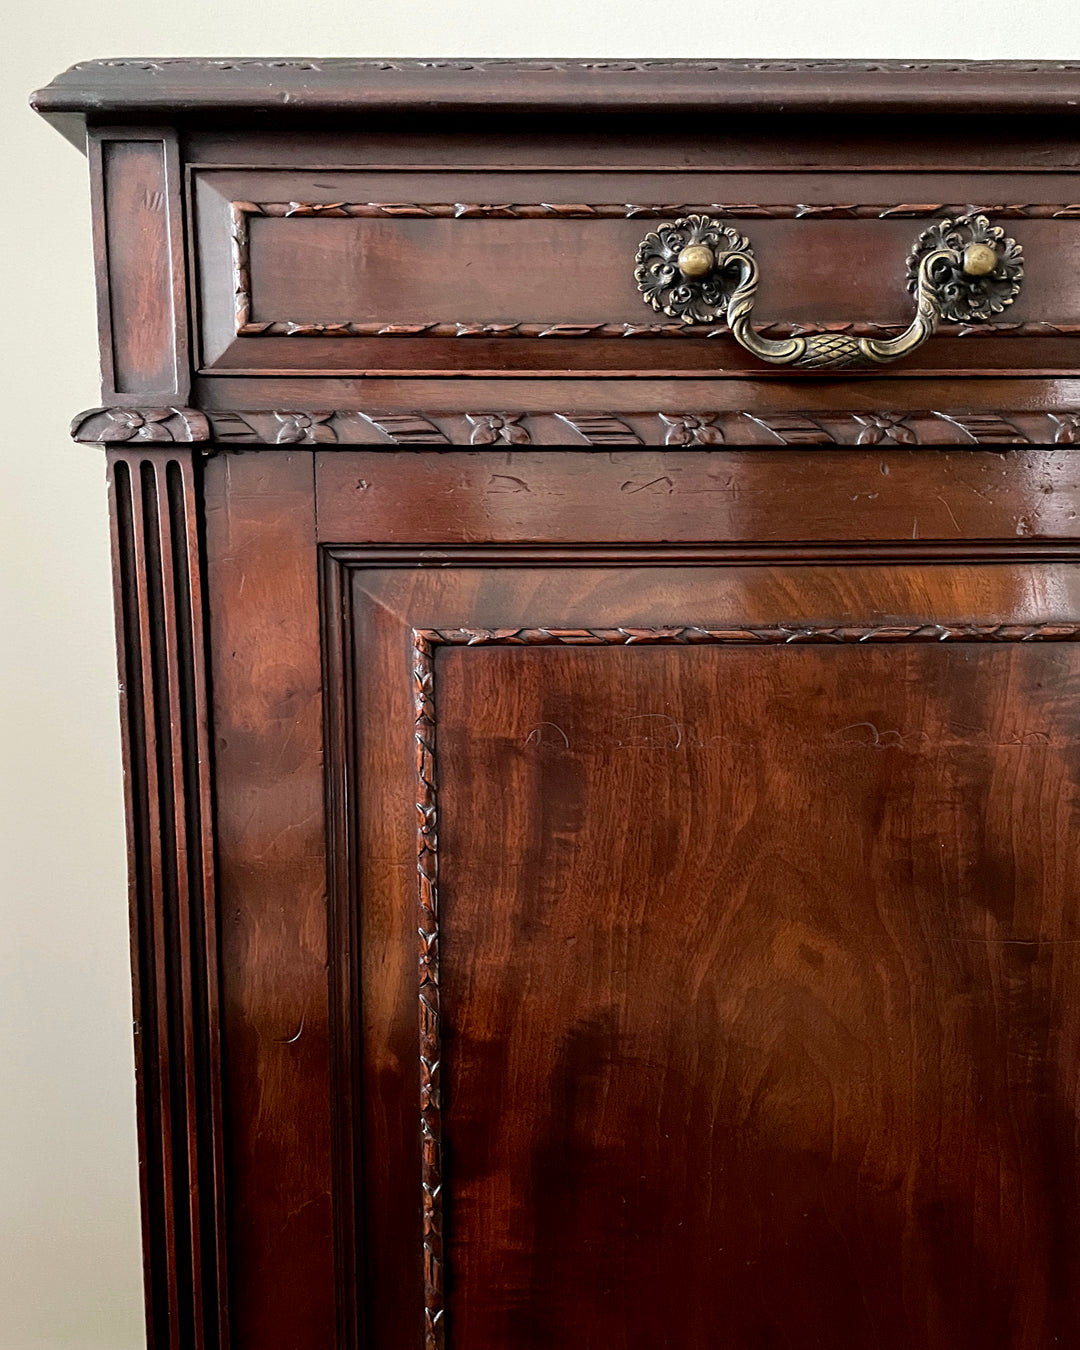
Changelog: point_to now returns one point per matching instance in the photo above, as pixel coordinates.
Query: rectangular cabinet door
(642, 944)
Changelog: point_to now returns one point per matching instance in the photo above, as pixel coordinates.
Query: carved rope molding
(505, 428)
(425, 643)
(242, 211)
(616, 67)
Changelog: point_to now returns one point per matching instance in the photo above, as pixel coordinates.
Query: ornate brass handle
(701, 270)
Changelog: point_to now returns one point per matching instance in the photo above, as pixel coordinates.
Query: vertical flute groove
(174, 927)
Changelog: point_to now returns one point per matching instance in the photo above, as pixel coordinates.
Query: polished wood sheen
(602, 811)
(714, 1074)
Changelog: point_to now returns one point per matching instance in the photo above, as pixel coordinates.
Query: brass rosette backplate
(689, 295)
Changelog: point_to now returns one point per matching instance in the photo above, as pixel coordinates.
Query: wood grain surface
(630, 1037)
(602, 812)
(754, 973)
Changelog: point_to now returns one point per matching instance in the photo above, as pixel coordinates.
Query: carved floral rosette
(666, 289)
(963, 298)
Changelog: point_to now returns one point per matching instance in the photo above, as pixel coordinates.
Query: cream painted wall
(69, 1229)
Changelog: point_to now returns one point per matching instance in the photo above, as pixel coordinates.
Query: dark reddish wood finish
(501, 246)
(601, 835)
(262, 584)
(400, 87)
(139, 252)
(516, 271)
(712, 1075)
(156, 505)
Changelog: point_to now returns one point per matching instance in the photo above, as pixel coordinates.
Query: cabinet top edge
(172, 87)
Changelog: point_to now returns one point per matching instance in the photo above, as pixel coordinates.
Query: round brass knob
(696, 260)
(979, 260)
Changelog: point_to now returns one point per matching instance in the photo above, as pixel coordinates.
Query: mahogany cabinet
(597, 554)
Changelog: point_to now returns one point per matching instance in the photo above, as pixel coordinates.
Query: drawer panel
(490, 272)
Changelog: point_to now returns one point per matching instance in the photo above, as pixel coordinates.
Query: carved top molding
(541, 65)
(171, 86)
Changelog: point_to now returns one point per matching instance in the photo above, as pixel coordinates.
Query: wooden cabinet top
(149, 87)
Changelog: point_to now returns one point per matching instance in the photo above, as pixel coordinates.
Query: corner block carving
(112, 425)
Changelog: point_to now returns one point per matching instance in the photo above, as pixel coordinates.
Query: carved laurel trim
(240, 213)
(430, 1033)
(770, 635)
(579, 428)
(292, 328)
(240, 238)
(632, 211)
(425, 643)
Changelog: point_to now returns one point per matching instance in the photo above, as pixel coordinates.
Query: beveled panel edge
(343, 943)
(581, 428)
(733, 553)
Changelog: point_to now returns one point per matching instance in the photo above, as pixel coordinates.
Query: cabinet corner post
(155, 509)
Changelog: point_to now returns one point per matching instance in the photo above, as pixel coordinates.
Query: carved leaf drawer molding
(597, 577)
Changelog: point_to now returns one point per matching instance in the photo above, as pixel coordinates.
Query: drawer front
(515, 272)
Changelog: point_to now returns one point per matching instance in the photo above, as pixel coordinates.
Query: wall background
(70, 1270)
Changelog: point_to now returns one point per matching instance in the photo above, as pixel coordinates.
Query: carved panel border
(426, 642)
(242, 211)
(346, 427)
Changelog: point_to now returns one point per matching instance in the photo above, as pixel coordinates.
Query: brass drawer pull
(701, 270)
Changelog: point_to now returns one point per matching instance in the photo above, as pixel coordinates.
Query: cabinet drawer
(512, 271)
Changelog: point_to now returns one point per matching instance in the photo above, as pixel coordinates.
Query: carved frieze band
(425, 645)
(734, 428)
(247, 327)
